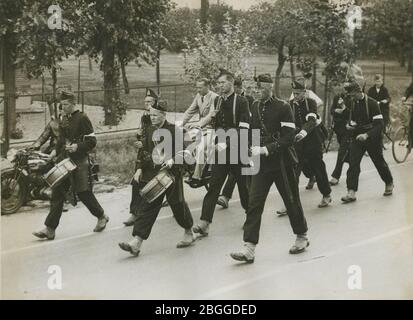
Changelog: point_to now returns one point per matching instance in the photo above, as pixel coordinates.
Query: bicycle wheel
(400, 145)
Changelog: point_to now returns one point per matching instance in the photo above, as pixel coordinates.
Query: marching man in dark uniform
(232, 112)
(147, 169)
(366, 124)
(309, 140)
(76, 141)
(151, 99)
(340, 111)
(274, 119)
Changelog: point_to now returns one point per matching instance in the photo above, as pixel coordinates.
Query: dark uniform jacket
(278, 135)
(340, 119)
(305, 115)
(77, 129)
(145, 161)
(383, 94)
(366, 117)
(230, 116)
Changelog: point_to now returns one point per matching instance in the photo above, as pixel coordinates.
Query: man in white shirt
(203, 105)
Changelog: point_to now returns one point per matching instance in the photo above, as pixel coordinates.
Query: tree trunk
(402, 60)
(90, 64)
(124, 77)
(292, 63)
(54, 89)
(280, 66)
(158, 67)
(204, 12)
(9, 68)
(109, 83)
(410, 62)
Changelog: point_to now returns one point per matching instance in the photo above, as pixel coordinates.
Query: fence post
(384, 73)
(78, 81)
(83, 101)
(314, 79)
(325, 100)
(175, 98)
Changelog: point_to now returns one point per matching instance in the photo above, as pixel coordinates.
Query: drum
(59, 172)
(157, 186)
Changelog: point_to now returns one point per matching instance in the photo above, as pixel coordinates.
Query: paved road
(368, 243)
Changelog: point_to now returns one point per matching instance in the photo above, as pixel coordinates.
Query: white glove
(168, 163)
(256, 151)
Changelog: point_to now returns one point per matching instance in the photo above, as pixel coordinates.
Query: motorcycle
(23, 179)
(190, 168)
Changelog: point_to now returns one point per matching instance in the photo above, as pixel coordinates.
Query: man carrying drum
(75, 142)
(151, 99)
(161, 142)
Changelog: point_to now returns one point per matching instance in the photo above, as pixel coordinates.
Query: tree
(120, 33)
(300, 32)
(281, 25)
(10, 12)
(204, 12)
(180, 28)
(229, 50)
(45, 40)
(388, 30)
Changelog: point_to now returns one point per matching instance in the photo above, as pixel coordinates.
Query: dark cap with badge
(67, 95)
(263, 78)
(352, 87)
(224, 72)
(298, 85)
(151, 93)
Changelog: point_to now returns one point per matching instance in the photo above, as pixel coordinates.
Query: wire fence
(33, 113)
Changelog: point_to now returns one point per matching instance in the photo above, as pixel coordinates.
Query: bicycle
(402, 143)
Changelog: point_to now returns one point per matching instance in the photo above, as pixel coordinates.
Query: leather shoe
(310, 184)
(246, 255)
(46, 233)
(301, 243)
(241, 256)
(202, 228)
(101, 224)
(282, 212)
(187, 240)
(130, 221)
(333, 182)
(223, 201)
(388, 190)
(325, 202)
(127, 247)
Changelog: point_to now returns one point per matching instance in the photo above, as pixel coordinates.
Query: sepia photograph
(206, 151)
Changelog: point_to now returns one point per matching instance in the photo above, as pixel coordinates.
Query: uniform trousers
(57, 201)
(259, 188)
(344, 139)
(218, 176)
(148, 212)
(375, 151)
(314, 161)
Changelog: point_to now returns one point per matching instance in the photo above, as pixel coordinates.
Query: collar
(226, 97)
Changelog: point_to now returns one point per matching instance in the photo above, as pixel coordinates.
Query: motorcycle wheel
(13, 193)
